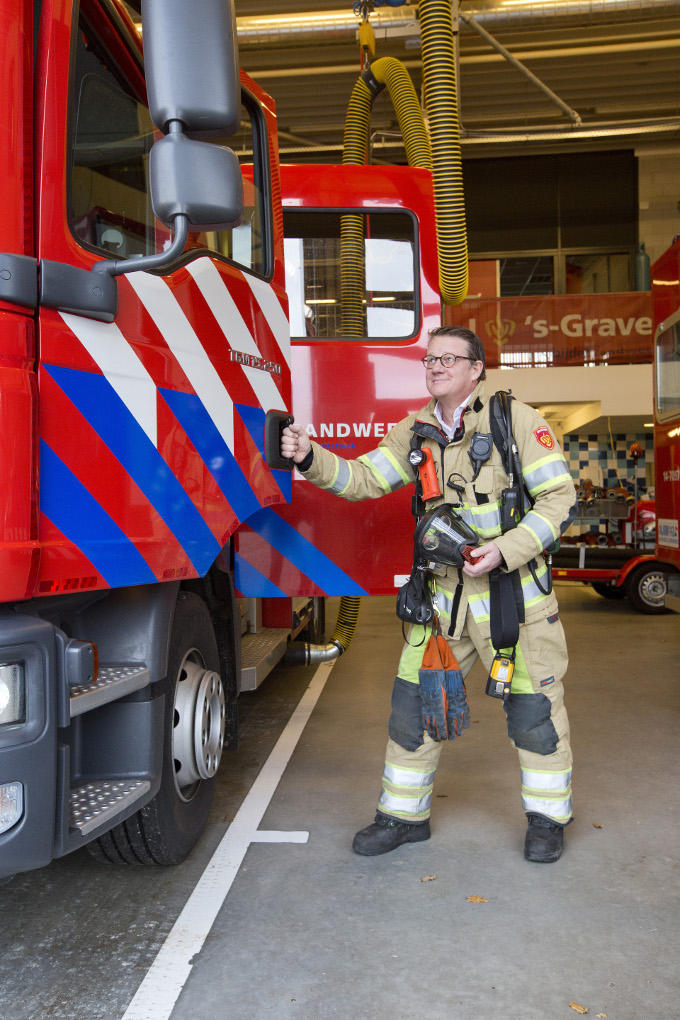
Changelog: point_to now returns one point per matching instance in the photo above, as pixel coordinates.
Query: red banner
(565, 329)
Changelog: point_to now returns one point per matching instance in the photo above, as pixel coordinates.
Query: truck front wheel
(166, 829)
(646, 588)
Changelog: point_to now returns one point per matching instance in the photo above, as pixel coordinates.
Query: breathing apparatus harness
(443, 537)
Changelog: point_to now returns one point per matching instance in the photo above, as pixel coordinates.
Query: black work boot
(387, 834)
(544, 839)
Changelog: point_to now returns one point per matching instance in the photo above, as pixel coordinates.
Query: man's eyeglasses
(447, 360)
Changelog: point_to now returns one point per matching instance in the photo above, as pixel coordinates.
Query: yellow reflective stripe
(410, 808)
(385, 469)
(543, 783)
(342, 476)
(531, 592)
(485, 518)
(407, 775)
(404, 474)
(560, 810)
(480, 606)
(545, 473)
(540, 528)
(552, 483)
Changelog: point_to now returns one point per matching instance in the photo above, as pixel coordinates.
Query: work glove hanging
(442, 692)
(458, 713)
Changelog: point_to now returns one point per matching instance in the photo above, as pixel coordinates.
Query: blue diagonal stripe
(253, 419)
(99, 403)
(218, 458)
(77, 514)
(305, 556)
(250, 582)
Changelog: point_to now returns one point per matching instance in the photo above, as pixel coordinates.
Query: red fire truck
(666, 295)
(144, 336)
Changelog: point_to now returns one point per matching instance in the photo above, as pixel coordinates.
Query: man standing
(537, 720)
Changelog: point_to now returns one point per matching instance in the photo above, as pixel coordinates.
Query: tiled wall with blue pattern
(592, 456)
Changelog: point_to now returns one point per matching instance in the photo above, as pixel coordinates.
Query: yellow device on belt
(500, 675)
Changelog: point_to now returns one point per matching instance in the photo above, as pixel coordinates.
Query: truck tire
(608, 591)
(166, 829)
(646, 588)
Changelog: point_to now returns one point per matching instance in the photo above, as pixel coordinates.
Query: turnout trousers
(537, 721)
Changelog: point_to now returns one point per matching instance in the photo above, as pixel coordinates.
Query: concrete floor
(314, 931)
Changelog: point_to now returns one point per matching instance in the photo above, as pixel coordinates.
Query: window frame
(672, 322)
(559, 256)
(417, 307)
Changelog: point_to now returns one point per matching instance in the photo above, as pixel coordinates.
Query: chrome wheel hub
(199, 722)
(653, 589)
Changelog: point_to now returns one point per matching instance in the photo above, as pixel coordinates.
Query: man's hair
(474, 344)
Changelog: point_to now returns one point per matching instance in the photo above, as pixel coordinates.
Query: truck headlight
(12, 693)
(11, 805)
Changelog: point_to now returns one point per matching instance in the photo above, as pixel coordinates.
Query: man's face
(451, 385)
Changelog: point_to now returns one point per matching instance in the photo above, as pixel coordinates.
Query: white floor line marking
(265, 836)
(156, 996)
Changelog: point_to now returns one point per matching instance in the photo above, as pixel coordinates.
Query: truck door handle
(274, 424)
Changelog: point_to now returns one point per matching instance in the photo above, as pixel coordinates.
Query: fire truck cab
(144, 338)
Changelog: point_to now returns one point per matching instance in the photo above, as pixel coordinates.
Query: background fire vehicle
(666, 296)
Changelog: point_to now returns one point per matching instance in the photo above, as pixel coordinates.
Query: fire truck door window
(110, 198)
(668, 372)
(110, 203)
(248, 242)
(350, 274)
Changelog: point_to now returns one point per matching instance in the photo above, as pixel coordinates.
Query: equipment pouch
(414, 602)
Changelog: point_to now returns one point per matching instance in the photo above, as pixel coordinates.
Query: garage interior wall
(659, 191)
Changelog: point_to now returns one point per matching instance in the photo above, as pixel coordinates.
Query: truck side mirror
(197, 180)
(191, 65)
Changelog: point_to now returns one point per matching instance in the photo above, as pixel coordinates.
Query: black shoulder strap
(501, 426)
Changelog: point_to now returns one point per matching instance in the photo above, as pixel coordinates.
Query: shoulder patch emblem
(544, 436)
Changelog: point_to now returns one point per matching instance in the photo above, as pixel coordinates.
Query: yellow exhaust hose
(391, 73)
(440, 152)
(439, 82)
(348, 613)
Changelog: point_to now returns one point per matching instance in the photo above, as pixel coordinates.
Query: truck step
(259, 654)
(113, 682)
(93, 804)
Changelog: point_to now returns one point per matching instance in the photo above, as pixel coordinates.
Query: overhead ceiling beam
(562, 52)
(307, 26)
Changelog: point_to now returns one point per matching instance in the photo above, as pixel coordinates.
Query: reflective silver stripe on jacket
(540, 794)
(485, 519)
(385, 470)
(342, 478)
(540, 528)
(480, 606)
(545, 473)
(530, 590)
(443, 600)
